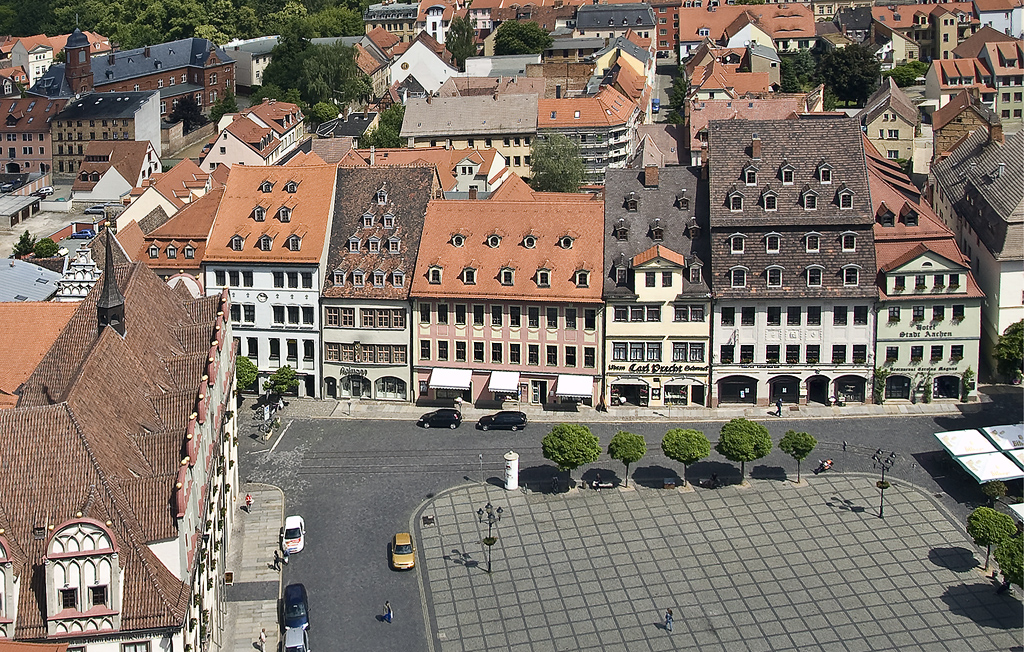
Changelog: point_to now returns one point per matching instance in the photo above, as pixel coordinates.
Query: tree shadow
(956, 558)
(954, 481)
(654, 476)
(843, 504)
(605, 475)
(765, 472)
(538, 478)
(727, 473)
(984, 606)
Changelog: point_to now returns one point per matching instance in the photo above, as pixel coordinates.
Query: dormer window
(736, 243)
(544, 278)
(172, 251)
(494, 241)
(398, 279)
(735, 201)
(773, 275)
(582, 279)
(851, 275)
(738, 277)
(565, 242)
(266, 186)
(189, 251)
(530, 242)
(910, 217)
(621, 277)
(293, 243)
(810, 200)
(787, 173)
(373, 244)
(458, 240)
(849, 242)
(382, 197)
(434, 275)
(887, 218)
(394, 245)
(154, 251)
(339, 277)
(291, 187)
(259, 214)
(265, 243)
(389, 221)
(695, 274)
(367, 220)
(378, 279)
(772, 243)
(657, 230)
(812, 242)
(353, 245)
(621, 231)
(469, 276)
(358, 278)
(846, 200)
(750, 174)
(632, 202)
(237, 243)
(814, 274)
(507, 276)
(284, 214)
(682, 201)
(824, 172)
(770, 199)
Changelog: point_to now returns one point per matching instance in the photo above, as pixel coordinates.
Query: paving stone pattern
(771, 566)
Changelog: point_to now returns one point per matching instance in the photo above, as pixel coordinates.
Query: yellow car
(403, 552)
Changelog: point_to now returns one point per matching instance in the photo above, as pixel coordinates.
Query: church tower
(78, 69)
(110, 307)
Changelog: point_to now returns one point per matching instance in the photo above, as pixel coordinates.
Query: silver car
(296, 639)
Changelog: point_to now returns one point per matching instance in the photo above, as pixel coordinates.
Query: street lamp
(885, 463)
(490, 515)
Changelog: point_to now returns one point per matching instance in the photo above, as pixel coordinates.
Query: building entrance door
(817, 390)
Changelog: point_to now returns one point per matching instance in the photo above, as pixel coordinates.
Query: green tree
(790, 82)
(1010, 350)
(744, 441)
(388, 132)
(993, 490)
(570, 446)
(514, 37)
(45, 248)
(1010, 557)
(988, 527)
(245, 372)
(288, 55)
(460, 40)
(677, 97)
(556, 163)
(187, 112)
(330, 74)
(628, 448)
(797, 445)
(337, 21)
(226, 104)
(321, 112)
(851, 73)
(907, 74)
(25, 245)
(685, 446)
(281, 381)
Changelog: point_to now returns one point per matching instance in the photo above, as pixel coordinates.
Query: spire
(110, 307)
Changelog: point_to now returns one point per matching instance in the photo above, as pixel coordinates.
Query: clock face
(261, 297)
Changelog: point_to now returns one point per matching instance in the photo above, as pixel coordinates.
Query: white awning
(505, 382)
(450, 378)
(630, 381)
(990, 466)
(1007, 438)
(965, 442)
(1018, 512)
(574, 386)
(684, 381)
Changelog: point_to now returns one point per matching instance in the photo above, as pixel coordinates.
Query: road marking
(281, 436)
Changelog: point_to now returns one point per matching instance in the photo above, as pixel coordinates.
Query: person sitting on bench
(597, 484)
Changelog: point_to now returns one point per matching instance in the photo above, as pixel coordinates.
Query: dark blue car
(295, 606)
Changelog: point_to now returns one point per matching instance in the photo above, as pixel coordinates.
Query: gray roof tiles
(120, 104)
(451, 116)
(24, 281)
(621, 16)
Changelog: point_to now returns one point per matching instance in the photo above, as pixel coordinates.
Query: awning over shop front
(965, 442)
(995, 453)
(684, 381)
(574, 386)
(630, 381)
(504, 382)
(441, 378)
(990, 466)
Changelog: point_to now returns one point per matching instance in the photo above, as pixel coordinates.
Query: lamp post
(490, 515)
(884, 462)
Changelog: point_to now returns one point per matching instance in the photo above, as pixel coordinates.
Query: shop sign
(655, 368)
(352, 371)
(917, 369)
(927, 329)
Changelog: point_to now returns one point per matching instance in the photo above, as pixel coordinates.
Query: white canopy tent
(993, 453)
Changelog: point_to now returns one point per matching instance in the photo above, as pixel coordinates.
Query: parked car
(445, 417)
(656, 105)
(45, 191)
(296, 640)
(504, 420)
(83, 234)
(97, 209)
(7, 187)
(295, 607)
(294, 538)
(403, 552)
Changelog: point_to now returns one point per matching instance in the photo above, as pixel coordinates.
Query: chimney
(995, 133)
(472, 192)
(145, 52)
(651, 176)
(1000, 170)
(110, 59)
(373, 155)
(558, 91)
(755, 147)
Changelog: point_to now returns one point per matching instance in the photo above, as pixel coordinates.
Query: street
(359, 482)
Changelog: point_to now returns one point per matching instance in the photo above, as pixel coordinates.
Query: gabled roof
(888, 97)
(973, 46)
(952, 70)
(382, 38)
(179, 184)
(282, 117)
(771, 107)
(998, 5)
(17, 363)
(189, 226)
(609, 107)
(128, 157)
(615, 16)
(961, 102)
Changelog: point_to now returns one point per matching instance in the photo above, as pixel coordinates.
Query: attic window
(434, 275)
(266, 186)
(750, 174)
(367, 220)
(846, 200)
(189, 251)
(373, 245)
(657, 230)
(682, 201)
(544, 278)
(259, 213)
(394, 245)
(339, 277)
(284, 214)
(695, 274)
(291, 187)
(582, 279)
(389, 221)
(493, 241)
(810, 199)
(172, 251)
(357, 278)
(508, 276)
(736, 243)
(530, 242)
(378, 279)
(887, 219)
(910, 219)
(398, 279)
(771, 202)
(620, 275)
(824, 173)
(382, 197)
(237, 243)
(265, 243)
(632, 202)
(154, 251)
(735, 202)
(353, 245)
(469, 276)
(458, 240)
(787, 174)
(565, 242)
(294, 242)
(621, 231)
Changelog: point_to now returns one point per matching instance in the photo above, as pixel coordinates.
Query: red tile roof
(128, 157)
(17, 363)
(609, 107)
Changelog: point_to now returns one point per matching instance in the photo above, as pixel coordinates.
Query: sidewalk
(251, 599)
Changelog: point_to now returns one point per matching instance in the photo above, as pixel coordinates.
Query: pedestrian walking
(263, 640)
(285, 555)
(388, 612)
(458, 403)
(778, 408)
(668, 619)
(248, 503)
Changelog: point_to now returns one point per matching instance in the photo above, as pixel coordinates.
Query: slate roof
(450, 116)
(995, 209)
(99, 430)
(121, 104)
(629, 47)
(854, 19)
(22, 281)
(889, 96)
(356, 125)
(408, 191)
(615, 16)
(804, 145)
(957, 105)
(654, 203)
